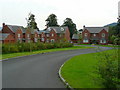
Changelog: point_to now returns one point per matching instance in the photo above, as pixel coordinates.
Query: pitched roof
(96, 29)
(3, 36)
(57, 29)
(75, 36)
(14, 28)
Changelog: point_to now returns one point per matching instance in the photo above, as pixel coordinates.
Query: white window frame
(103, 34)
(52, 35)
(85, 41)
(94, 34)
(42, 39)
(18, 35)
(28, 35)
(47, 35)
(86, 34)
(52, 40)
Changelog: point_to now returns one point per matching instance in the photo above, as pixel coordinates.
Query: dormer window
(103, 34)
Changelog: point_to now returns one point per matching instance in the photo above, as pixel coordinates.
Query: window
(28, 35)
(52, 40)
(47, 35)
(18, 35)
(102, 41)
(103, 34)
(42, 39)
(47, 40)
(94, 34)
(52, 34)
(85, 41)
(35, 39)
(86, 34)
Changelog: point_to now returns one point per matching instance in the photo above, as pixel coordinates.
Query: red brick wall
(106, 36)
(88, 36)
(67, 34)
(42, 35)
(27, 39)
(19, 31)
(7, 30)
(53, 37)
(9, 39)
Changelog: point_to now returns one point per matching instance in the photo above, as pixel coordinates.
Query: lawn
(80, 70)
(102, 45)
(11, 55)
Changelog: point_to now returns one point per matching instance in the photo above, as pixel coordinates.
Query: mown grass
(102, 45)
(11, 55)
(80, 70)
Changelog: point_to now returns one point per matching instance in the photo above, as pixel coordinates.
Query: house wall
(88, 36)
(27, 36)
(18, 35)
(6, 29)
(106, 36)
(67, 35)
(9, 39)
(53, 37)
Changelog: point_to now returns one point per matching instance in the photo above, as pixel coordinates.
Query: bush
(108, 69)
(28, 47)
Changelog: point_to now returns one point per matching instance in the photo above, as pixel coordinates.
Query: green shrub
(108, 69)
(28, 47)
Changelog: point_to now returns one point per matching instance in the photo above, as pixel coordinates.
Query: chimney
(3, 24)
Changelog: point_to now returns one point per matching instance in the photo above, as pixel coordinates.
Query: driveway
(37, 71)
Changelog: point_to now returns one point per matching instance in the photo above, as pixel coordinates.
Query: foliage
(72, 26)
(29, 47)
(114, 33)
(80, 71)
(51, 20)
(108, 69)
(31, 22)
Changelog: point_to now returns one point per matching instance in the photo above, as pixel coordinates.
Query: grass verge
(11, 55)
(80, 70)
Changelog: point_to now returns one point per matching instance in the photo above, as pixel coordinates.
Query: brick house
(15, 31)
(95, 35)
(26, 35)
(75, 38)
(54, 34)
(35, 35)
(6, 38)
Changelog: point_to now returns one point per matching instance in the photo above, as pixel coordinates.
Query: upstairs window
(18, 35)
(103, 34)
(52, 34)
(28, 35)
(94, 34)
(86, 34)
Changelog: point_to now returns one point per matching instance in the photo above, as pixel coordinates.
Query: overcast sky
(82, 12)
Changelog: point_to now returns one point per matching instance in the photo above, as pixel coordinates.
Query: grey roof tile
(3, 36)
(95, 29)
(75, 36)
(14, 28)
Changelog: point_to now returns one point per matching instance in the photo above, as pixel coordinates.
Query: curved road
(37, 71)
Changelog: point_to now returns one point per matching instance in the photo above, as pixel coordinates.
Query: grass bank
(80, 70)
(11, 55)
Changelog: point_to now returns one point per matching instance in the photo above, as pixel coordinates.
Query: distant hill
(111, 24)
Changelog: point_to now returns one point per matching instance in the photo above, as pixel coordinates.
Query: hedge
(28, 47)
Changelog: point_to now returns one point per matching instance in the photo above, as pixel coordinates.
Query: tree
(31, 21)
(51, 20)
(72, 26)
